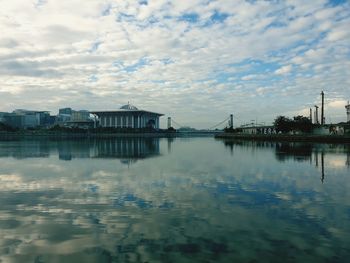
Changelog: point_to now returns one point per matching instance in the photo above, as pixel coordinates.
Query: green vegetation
(7, 128)
(233, 130)
(77, 130)
(299, 123)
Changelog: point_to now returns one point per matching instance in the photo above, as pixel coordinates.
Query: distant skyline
(197, 61)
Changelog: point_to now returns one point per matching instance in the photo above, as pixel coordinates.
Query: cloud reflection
(194, 203)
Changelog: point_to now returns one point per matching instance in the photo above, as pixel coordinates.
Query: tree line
(298, 123)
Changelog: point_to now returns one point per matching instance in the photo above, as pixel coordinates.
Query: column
(132, 121)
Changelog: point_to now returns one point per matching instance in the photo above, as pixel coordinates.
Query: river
(173, 200)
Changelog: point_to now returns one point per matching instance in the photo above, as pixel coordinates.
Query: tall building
(74, 118)
(81, 115)
(67, 111)
(128, 116)
(25, 119)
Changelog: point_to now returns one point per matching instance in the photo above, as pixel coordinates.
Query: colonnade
(128, 121)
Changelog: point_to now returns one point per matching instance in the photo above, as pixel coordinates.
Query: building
(2, 117)
(347, 107)
(258, 129)
(81, 115)
(128, 116)
(65, 111)
(68, 117)
(24, 119)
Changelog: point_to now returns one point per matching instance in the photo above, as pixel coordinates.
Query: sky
(196, 61)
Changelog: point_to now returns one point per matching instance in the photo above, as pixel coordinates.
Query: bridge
(249, 128)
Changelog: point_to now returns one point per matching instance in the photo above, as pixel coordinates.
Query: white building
(128, 116)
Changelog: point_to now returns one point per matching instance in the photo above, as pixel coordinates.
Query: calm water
(173, 200)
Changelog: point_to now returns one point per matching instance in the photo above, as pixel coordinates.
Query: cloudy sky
(197, 61)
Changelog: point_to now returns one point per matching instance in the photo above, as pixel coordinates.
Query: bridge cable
(177, 124)
(219, 123)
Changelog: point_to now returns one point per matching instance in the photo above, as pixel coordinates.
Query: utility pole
(311, 115)
(316, 114)
(322, 109)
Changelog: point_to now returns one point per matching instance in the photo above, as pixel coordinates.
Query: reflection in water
(25, 149)
(322, 167)
(195, 203)
(170, 142)
(129, 150)
(299, 152)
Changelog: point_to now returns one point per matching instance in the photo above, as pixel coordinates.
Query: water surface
(173, 200)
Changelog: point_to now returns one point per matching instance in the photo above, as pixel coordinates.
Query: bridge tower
(231, 121)
(169, 122)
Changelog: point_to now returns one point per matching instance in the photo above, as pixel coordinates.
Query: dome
(128, 107)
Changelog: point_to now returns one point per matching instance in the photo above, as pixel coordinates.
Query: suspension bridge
(214, 128)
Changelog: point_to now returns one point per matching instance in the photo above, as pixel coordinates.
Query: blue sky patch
(218, 17)
(190, 18)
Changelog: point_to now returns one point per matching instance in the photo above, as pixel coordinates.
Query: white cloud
(55, 48)
(337, 104)
(284, 70)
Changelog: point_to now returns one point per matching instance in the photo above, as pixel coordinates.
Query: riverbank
(82, 135)
(287, 137)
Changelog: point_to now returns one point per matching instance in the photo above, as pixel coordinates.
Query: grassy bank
(87, 134)
(288, 137)
(29, 134)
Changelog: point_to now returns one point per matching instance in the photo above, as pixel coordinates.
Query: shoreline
(287, 138)
(89, 135)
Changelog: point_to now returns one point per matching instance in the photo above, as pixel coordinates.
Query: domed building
(128, 116)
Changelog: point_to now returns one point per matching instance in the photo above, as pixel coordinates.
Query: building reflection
(315, 154)
(128, 150)
(25, 149)
(68, 150)
(170, 142)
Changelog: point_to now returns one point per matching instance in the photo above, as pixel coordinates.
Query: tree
(8, 128)
(302, 124)
(283, 124)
